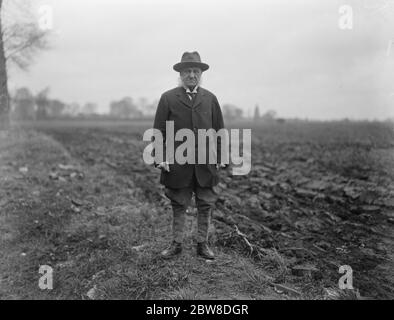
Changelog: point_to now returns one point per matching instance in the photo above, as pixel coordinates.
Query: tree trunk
(4, 95)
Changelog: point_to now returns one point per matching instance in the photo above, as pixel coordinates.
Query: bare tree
(42, 101)
(125, 109)
(4, 95)
(232, 112)
(21, 39)
(256, 116)
(89, 108)
(269, 116)
(24, 104)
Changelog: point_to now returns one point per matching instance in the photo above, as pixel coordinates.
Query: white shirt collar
(188, 90)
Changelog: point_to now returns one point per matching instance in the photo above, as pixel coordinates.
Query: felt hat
(191, 60)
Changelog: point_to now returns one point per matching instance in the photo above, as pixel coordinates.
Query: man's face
(191, 76)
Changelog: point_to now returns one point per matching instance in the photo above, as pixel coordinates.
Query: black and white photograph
(198, 156)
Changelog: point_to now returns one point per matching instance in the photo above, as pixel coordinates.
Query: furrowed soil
(77, 196)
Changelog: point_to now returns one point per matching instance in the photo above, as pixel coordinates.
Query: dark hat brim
(183, 65)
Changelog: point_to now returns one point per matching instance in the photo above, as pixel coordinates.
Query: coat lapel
(182, 96)
(199, 97)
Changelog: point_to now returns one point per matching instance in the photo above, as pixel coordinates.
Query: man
(190, 107)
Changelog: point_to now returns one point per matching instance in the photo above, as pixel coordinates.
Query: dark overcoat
(202, 113)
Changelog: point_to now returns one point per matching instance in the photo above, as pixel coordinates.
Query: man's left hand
(221, 166)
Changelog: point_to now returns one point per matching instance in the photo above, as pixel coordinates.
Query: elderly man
(190, 107)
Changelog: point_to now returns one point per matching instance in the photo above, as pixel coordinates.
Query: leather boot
(204, 251)
(173, 249)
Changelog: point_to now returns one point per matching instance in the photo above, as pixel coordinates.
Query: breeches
(181, 199)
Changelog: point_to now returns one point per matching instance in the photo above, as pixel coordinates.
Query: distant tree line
(267, 117)
(126, 108)
(232, 112)
(28, 106)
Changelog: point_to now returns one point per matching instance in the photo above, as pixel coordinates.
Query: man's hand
(163, 166)
(221, 166)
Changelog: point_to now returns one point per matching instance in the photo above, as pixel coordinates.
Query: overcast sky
(290, 56)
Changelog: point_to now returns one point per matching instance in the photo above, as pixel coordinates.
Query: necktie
(192, 96)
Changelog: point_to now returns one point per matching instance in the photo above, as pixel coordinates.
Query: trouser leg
(205, 201)
(180, 199)
(178, 222)
(203, 221)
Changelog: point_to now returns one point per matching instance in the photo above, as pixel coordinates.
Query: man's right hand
(163, 166)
